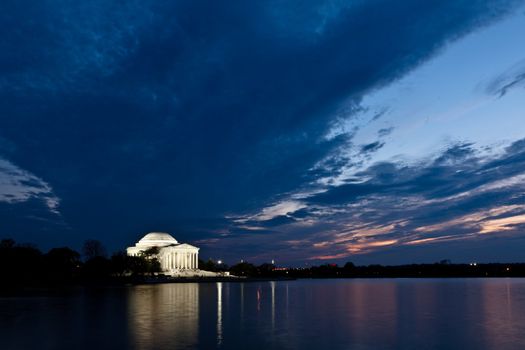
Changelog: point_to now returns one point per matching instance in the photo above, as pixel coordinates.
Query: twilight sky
(300, 131)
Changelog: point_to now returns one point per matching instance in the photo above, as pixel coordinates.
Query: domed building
(174, 257)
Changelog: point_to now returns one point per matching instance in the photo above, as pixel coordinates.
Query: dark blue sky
(301, 131)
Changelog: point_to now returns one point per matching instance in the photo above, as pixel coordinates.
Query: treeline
(349, 270)
(24, 264)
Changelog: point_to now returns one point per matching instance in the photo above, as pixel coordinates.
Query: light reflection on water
(161, 315)
(305, 314)
(219, 313)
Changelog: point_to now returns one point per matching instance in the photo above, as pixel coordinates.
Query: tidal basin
(302, 314)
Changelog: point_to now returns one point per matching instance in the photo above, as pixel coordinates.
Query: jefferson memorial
(175, 258)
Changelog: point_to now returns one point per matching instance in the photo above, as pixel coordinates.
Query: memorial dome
(157, 239)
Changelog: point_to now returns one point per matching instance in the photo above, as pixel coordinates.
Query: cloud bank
(18, 185)
(233, 123)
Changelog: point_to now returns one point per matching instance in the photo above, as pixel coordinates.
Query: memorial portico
(172, 255)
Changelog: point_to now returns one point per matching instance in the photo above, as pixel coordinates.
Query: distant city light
(273, 262)
(219, 262)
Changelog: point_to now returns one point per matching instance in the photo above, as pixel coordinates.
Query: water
(304, 314)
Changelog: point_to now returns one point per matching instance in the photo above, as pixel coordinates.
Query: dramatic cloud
(18, 185)
(55, 47)
(458, 196)
(247, 127)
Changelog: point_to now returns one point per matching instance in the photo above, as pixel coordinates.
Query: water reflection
(259, 297)
(163, 315)
(219, 313)
(272, 286)
(503, 324)
(241, 286)
(482, 314)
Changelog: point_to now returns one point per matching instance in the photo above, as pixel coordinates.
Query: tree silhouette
(93, 249)
(62, 264)
(244, 269)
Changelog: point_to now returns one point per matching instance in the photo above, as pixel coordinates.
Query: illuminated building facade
(173, 256)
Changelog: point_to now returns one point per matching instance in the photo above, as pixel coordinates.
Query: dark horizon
(306, 264)
(304, 132)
